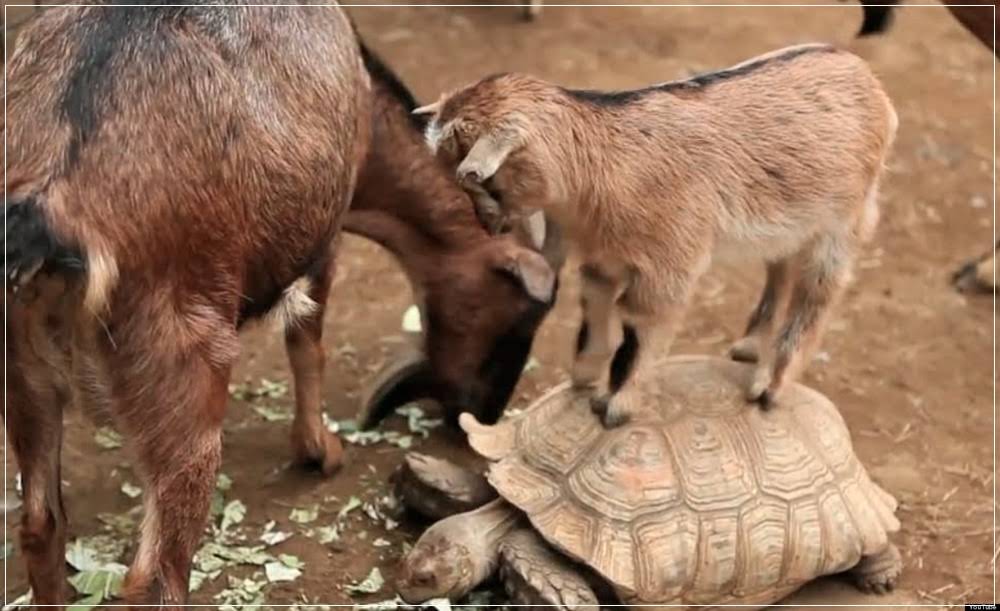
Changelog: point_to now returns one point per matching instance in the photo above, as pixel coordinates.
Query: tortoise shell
(701, 497)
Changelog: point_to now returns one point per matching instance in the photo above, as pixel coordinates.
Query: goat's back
(188, 146)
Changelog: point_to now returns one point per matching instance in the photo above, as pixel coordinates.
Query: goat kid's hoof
(745, 350)
(327, 455)
(611, 410)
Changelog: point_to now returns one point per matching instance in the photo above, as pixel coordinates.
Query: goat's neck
(406, 200)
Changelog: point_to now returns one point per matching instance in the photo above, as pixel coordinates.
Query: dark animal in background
(169, 178)
(981, 21)
(481, 297)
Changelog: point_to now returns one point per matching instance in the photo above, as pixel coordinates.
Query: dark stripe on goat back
(383, 75)
(106, 33)
(695, 83)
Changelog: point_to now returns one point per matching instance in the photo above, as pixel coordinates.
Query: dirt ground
(906, 358)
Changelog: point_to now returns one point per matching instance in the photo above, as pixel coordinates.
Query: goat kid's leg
(34, 430)
(655, 328)
(823, 271)
(312, 443)
(764, 318)
(600, 332)
(176, 430)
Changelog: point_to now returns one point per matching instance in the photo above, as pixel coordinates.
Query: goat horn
(429, 109)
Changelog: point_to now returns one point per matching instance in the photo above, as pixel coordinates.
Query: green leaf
(411, 320)
(531, 364)
(223, 482)
(233, 514)
(304, 515)
(272, 414)
(198, 578)
(369, 585)
(108, 438)
(293, 562)
(86, 603)
(8, 550)
(131, 490)
(105, 582)
(328, 534)
(352, 504)
(278, 571)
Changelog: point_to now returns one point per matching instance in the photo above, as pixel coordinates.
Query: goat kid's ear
(487, 155)
(532, 271)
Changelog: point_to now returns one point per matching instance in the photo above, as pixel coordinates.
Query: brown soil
(907, 359)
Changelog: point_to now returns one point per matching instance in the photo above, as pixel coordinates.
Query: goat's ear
(531, 270)
(403, 379)
(487, 155)
(534, 226)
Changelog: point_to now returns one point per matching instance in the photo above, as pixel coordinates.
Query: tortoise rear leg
(535, 577)
(879, 572)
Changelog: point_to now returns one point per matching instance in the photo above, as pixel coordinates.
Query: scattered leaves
(304, 515)
(243, 593)
(267, 389)
(232, 514)
(108, 438)
(417, 420)
(351, 504)
(411, 320)
(531, 364)
(328, 534)
(274, 537)
(131, 490)
(272, 414)
(279, 571)
(369, 585)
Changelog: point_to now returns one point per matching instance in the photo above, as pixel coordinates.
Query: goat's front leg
(654, 316)
(312, 443)
(171, 405)
(600, 332)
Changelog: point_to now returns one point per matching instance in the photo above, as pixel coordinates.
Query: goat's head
(479, 313)
(484, 131)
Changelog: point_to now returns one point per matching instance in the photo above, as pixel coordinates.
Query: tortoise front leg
(536, 576)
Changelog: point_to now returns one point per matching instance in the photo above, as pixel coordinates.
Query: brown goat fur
(172, 172)
(474, 290)
(779, 157)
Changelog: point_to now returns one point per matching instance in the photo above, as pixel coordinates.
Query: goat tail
(32, 245)
(878, 16)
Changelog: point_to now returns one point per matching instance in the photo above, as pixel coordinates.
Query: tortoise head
(440, 565)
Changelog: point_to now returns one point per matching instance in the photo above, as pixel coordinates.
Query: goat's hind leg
(823, 269)
(766, 316)
(34, 430)
(312, 443)
(175, 423)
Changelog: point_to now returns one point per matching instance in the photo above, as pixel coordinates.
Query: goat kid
(780, 156)
(172, 172)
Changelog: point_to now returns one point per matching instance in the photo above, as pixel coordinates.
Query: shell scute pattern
(527, 488)
(841, 540)
(629, 474)
(712, 463)
(785, 465)
(558, 452)
(665, 555)
(805, 544)
(763, 528)
(717, 552)
(821, 424)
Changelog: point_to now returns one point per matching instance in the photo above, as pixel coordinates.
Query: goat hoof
(327, 456)
(599, 404)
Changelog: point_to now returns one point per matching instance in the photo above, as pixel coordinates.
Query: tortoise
(699, 500)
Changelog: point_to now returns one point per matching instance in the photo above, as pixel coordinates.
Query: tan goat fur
(778, 157)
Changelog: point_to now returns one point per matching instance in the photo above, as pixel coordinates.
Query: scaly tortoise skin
(700, 499)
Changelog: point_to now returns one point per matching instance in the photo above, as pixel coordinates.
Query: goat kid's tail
(877, 19)
(30, 245)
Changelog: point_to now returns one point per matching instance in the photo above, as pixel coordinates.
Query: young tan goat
(777, 157)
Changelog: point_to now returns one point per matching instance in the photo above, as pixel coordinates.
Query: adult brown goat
(170, 176)
(481, 297)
